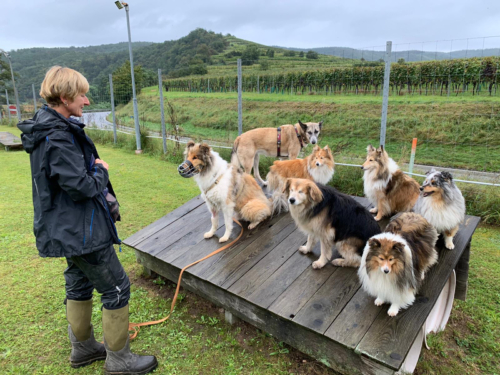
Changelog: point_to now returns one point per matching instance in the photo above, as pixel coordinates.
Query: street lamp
(6, 54)
(121, 5)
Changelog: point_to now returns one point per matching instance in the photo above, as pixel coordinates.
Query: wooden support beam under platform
(265, 281)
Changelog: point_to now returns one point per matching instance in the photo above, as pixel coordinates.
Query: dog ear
(398, 246)
(370, 148)
(316, 149)
(314, 192)
(432, 170)
(374, 243)
(188, 146)
(447, 176)
(320, 125)
(286, 187)
(303, 126)
(205, 149)
(381, 149)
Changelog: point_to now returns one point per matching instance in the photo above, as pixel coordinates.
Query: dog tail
(279, 202)
(234, 153)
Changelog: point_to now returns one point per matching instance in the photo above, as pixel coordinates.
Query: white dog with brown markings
(224, 187)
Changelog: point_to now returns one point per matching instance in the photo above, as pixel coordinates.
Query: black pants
(100, 270)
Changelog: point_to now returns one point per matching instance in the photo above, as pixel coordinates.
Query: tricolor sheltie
(386, 186)
(442, 204)
(318, 167)
(224, 187)
(332, 217)
(394, 262)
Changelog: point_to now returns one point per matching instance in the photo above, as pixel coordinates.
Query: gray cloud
(293, 23)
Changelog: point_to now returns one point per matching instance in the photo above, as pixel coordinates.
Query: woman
(72, 220)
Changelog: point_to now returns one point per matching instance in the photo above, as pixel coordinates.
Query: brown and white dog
(386, 186)
(394, 262)
(224, 187)
(334, 218)
(441, 202)
(287, 141)
(319, 167)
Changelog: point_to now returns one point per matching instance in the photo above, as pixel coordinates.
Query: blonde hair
(64, 82)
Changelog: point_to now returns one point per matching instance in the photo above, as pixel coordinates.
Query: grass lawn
(196, 340)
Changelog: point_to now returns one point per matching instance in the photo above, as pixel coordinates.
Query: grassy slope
(452, 132)
(195, 340)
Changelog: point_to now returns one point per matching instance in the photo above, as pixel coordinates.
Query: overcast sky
(292, 23)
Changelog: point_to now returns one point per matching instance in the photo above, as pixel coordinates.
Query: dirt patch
(245, 333)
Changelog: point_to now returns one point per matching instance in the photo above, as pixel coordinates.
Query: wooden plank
(389, 339)
(324, 306)
(279, 281)
(220, 260)
(166, 220)
(300, 291)
(175, 231)
(262, 270)
(318, 346)
(361, 200)
(228, 272)
(206, 246)
(462, 272)
(355, 319)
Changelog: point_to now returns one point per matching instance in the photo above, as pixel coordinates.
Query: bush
(312, 55)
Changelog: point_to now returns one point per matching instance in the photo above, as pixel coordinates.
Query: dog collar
(299, 137)
(213, 185)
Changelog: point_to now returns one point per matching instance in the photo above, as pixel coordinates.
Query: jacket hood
(45, 121)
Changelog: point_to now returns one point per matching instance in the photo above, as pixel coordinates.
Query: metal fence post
(113, 107)
(240, 118)
(163, 130)
(258, 84)
(34, 96)
(8, 104)
(412, 157)
(385, 101)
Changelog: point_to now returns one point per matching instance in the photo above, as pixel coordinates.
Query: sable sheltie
(394, 262)
(442, 204)
(386, 186)
(319, 167)
(224, 187)
(332, 217)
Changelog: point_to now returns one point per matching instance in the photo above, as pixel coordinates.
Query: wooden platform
(10, 141)
(265, 281)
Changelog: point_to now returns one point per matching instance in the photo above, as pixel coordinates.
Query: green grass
(196, 340)
(452, 132)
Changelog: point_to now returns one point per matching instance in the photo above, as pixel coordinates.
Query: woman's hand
(102, 162)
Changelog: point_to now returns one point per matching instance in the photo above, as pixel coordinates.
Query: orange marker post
(412, 158)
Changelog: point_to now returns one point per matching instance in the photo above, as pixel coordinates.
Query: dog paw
(304, 250)
(373, 210)
(223, 239)
(449, 245)
(379, 302)
(393, 311)
(252, 225)
(208, 235)
(378, 218)
(339, 262)
(318, 265)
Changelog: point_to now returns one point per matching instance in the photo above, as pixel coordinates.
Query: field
(196, 340)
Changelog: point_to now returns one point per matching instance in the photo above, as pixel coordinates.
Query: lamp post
(121, 5)
(6, 54)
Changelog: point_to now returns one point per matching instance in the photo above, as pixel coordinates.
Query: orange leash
(137, 326)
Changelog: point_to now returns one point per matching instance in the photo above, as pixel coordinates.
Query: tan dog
(386, 186)
(264, 141)
(318, 167)
(224, 187)
(334, 218)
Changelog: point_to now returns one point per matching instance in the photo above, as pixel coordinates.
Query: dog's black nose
(361, 167)
(317, 164)
(292, 200)
(386, 271)
(421, 188)
(313, 142)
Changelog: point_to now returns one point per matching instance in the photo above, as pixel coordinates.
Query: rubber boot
(84, 348)
(120, 360)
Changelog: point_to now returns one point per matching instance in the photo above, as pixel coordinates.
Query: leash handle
(136, 327)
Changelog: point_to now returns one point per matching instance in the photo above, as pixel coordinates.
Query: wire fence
(450, 103)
